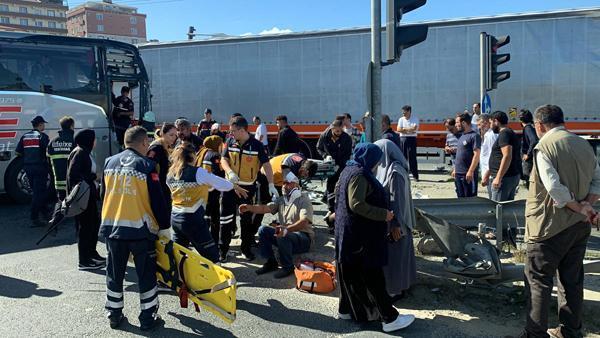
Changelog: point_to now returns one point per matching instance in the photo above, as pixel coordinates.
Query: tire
(16, 183)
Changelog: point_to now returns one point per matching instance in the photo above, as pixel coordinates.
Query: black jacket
(32, 147)
(287, 142)
(392, 136)
(340, 150)
(59, 150)
(530, 140)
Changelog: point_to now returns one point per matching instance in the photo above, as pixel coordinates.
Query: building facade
(35, 16)
(106, 20)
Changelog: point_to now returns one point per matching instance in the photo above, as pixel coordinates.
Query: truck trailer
(313, 76)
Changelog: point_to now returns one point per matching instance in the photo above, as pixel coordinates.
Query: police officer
(32, 148)
(122, 113)
(58, 153)
(243, 156)
(133, 212)
(205, 124)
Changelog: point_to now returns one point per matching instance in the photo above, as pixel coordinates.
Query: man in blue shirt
(467, 158)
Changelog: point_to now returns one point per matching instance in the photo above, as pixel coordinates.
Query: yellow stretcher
(196, 278)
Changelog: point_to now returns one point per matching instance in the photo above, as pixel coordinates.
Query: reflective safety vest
(187, 194)
(209, 160)
(245, 160)
(286, 162)
(58, 152)
(126, 208)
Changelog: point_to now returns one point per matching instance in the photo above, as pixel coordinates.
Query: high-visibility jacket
(245, 160)
(133, 204)
(209, 160)
(58, 153)
(32, 147)
(187, 194)
(285, 163)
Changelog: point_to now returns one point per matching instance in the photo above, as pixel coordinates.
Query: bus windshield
(48, 68)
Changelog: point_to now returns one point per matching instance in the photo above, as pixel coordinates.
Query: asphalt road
(43, 294)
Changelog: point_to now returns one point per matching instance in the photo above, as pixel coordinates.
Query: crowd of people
(198, 184)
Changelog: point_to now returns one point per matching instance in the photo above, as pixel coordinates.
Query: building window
(134, 31)
(51, 24)
(39, 24)
(5, 19)
(51, 12)
(133, 20)
(37, 11)
(134, 41)
(100, 28)
(99, 16)
(62, 14)
(22, 9)
(24, 22)
(62, 26)
(4, 8)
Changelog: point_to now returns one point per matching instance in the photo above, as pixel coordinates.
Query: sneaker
(270, 265)
(401, 322)
(555, 333)
(156, 322)
(116, 320)
(99, 259)
(248, 255)
(344, 316)
(283, 272)
(91, 266)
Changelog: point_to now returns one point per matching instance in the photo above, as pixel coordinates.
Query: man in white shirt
(408, 125)
(489, 137)
(261, 132)
(476, 116)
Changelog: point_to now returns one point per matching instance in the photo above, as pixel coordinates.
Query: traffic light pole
(374, 124)
(483, 66)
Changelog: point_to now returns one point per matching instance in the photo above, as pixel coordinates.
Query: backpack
(315, 277)
(77, 200)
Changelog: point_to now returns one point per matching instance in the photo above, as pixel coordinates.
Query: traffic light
(402, 37)
(495, 60)
(191, 34)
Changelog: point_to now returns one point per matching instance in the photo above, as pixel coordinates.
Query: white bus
(54, 76)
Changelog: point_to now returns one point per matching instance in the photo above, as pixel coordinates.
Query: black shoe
(248, 255)
(116, 320)
(156, 322)
(97, 258)
(223, 257)
(92, 265)
(270, 265)
(283, 272)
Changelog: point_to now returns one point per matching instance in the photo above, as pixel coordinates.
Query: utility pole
(374, 123)
(483, 67)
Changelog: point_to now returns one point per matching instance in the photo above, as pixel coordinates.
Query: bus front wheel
(16, 182)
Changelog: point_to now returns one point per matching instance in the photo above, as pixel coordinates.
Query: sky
(168, 20)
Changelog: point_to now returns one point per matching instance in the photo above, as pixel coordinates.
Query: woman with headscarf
(360, 239)
(82, 167)
(159, 151)
(392, 173)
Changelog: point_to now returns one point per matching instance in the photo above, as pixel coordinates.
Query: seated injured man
(292, 233)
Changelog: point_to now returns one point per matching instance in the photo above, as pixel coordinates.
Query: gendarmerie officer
(58, 152)
(32, 148)
(122, 113)
(133, 212)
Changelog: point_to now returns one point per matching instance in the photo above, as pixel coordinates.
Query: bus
(55, 76)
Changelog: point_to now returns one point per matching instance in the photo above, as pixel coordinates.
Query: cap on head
(37, 120)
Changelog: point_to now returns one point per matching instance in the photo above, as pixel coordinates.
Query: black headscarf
(85, 139)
